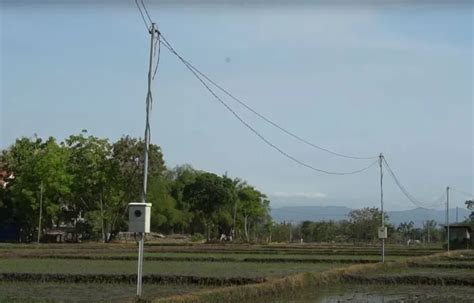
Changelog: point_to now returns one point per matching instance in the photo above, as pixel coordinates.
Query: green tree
(365, 223)
(89, 164)
(407, 230)
(253, 207)
(429, 230)
(126, 177)
(36, 162)
(180, 177)
(206, 196)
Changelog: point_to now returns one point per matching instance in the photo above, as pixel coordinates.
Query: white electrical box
(383, 232)
(139, 217)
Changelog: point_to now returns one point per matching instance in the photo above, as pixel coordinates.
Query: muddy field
(355, 293)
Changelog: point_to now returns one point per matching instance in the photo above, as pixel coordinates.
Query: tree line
(86, 182)
(361, 226)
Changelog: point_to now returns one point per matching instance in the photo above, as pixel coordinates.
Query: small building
(60, 235)
(460, 236)
(5, 178)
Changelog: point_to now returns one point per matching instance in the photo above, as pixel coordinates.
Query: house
(460, 236)
(5, 178)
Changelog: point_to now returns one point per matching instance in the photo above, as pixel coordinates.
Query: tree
(407, 230)
(365, 223)
(206, 196)
(253, 207)
(91, 188)
(180, 177)
(36, 162)
(429, 229)
(307, 231)
(126, 177)
(89, 181)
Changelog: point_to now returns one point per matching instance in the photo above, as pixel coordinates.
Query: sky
(359, 80)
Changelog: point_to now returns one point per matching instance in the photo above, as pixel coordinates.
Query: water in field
(352, 293)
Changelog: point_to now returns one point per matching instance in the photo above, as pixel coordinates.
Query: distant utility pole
(457, 214)
(447, 216)
(41, 212)
(153, 31)
(235, 215)
(383, 230)
(428, 227)
(291, 235)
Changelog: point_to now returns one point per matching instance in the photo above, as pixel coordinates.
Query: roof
(460, 226)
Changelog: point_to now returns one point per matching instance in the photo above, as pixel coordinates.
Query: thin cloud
(300, 194)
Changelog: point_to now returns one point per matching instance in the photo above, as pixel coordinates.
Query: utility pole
(291, 235)
(41, 212)
(457, 214)
(235, 215)
(102, 216)
(447, 216)
(381, 207)
(153, 31)
(236, 198)
(428, 227)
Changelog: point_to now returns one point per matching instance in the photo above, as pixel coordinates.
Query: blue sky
(361, 80)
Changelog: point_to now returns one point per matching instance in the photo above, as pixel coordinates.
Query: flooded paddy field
(353, 293)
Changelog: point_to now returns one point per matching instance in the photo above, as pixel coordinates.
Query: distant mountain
(419, 215)
(311, 213)
(321, 213)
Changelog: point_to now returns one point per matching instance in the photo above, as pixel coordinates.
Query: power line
(141, 13)
(268, 120)
(198, 74)
(409, 196)
(462, 192)
(274, 124)
(171, 49)
(146, 11)
(158, 41)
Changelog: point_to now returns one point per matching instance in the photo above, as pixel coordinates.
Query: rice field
(204, 269)
(239, 273)
(86, 292)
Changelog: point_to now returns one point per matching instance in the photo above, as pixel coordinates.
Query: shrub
(197, 237)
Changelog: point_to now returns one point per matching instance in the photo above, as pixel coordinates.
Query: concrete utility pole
(235, 216)
(428, 227)
(41, 212)
(291, 236)
(381, 206)
(447, 216)
(153, 31)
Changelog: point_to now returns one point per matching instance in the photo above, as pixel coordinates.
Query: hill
(325, 213)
